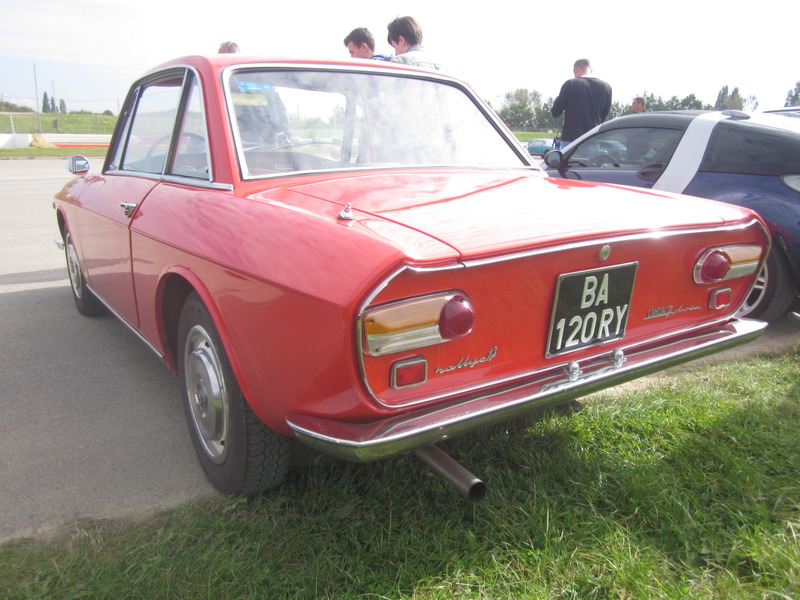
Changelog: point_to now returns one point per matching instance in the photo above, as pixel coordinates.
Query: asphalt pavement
(90, 419)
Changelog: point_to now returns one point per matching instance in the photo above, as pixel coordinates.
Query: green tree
(793, 97)
(691, 102)
(11, 107)
(45, 103)
(544, 120)
(617, 110)
(53, 104)
(726, 101)
(518, 110)
(62, 107)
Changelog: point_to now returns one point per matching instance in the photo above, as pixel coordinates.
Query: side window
(740, 147)
(152, 126)
(629, 148)
(191, 151)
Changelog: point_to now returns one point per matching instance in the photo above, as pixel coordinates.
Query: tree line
(49, 105)
(524, 110)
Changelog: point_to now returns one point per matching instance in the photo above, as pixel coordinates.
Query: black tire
(85, 301)
(238, 452)
(774, 291)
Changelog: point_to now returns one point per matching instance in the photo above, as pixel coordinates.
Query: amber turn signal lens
(417, 322)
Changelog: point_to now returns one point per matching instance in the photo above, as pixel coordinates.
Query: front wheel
(774, 290)
(85, 301)
(238, 452)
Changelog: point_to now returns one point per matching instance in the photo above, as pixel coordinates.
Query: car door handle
(128, 207)
(651, 172)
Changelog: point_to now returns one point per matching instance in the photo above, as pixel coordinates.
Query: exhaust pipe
(465, 482)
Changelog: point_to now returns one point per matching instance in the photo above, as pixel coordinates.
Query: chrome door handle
(128, 207)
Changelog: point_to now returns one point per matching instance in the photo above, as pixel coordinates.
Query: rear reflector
(720, 298)
(412, 371)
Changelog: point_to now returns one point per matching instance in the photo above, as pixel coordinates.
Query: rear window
(739, 147)
(296, 120)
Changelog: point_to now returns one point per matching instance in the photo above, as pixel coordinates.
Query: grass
(690, 489)
(685, 488)
(67, 123)
(527, 136)
(31, 153)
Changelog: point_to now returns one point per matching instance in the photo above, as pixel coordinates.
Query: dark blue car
(752, 160)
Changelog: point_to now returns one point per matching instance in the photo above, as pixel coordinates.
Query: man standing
(638, 105)
(405, 36)
(361, 44)
(584, 100)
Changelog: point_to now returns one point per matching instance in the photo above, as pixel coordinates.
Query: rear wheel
(85, 301)
(238, 452)
(774, 291)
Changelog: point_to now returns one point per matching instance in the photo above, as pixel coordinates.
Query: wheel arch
(779, 240)
(62, 223)
(174, 288)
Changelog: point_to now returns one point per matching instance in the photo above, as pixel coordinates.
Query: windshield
(295, 120)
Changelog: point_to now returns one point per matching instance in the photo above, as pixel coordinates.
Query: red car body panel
(289, 265)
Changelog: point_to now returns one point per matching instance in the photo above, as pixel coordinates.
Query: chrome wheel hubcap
(74, 268)
(208, 398)
(756, 295)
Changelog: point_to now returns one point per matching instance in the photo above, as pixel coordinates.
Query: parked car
(538, 146)
(319, 259)
(786, 111)
(752, 160)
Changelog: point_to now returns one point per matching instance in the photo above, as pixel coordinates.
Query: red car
(360, 256)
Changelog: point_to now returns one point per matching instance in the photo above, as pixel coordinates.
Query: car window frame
(190, 80)
(602, 135)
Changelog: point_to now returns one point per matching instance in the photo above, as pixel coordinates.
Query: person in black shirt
(584, 100)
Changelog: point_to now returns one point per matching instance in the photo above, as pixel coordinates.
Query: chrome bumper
(423, 426)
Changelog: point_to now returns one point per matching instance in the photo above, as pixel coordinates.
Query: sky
(88, 52)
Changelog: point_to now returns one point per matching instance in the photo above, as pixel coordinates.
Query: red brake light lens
(456, 319)
(715, 267)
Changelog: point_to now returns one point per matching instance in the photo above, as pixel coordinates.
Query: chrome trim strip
(201, 183)
(614, 240)
(128, 325)
(394, 435)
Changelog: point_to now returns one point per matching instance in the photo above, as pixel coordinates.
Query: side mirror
(78, 165)
(553, 158)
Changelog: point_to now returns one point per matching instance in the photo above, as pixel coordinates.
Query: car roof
(217, 62)
(680, 119)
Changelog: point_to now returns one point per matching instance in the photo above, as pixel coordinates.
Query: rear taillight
(417, 322)
(723, 263)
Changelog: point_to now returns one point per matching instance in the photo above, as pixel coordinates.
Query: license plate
(590, 308)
